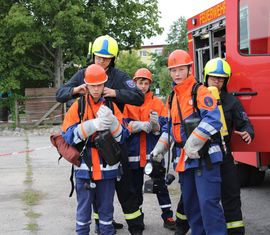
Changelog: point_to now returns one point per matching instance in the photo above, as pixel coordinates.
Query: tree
(40, 39)
(177, 36)
(129, 62)
(176, 39)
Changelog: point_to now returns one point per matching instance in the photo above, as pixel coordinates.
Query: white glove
(106, 114)
(194, 143)
(116, 129)
(109, 119)
(154, 124)
(104, 111)
(137, 126)
(161, 147)
(87, 128)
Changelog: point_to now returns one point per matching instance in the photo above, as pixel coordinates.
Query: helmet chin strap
(188, 72)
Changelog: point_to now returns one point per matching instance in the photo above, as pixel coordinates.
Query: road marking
(25, 151)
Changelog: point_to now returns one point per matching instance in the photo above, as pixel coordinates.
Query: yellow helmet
(218, 68)
(105, 46)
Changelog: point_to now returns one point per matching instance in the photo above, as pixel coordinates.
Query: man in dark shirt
(217, 73)
(120, 89)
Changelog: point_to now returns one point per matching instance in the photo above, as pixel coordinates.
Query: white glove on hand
(154, 124)
(161, 148)
(104, 111)
(89, 127)
(105, 114)
(137, 126)
(116, 129)
(194, 144)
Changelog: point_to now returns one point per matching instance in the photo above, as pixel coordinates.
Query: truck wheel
(256, 176)
(243, 171)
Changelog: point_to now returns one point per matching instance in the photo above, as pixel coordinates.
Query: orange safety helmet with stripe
(143, 73)
(95, 75)
(179, 58)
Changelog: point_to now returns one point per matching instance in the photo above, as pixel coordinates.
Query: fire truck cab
(239, 31)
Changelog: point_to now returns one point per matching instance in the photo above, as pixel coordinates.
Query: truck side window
(254, 25)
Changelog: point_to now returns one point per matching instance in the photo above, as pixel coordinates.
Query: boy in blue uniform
(99, 175)
(199, 155)
(145, 123)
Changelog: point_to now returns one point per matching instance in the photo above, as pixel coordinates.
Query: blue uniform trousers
(162, 196)
(230, 198)
(201, 197)
(103, 195)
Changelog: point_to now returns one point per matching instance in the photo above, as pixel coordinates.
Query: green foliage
(165, 81)
(41, 40)
(161, 78)
(177, 36)
(132, 21)
(129, 62)
(176, 39)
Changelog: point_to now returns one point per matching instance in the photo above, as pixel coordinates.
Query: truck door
(208, 43)
(219, 43)
(248, 52)
(202, 55)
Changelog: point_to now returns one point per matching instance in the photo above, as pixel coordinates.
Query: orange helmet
(95, 75)
(143, 73)
(179, 58)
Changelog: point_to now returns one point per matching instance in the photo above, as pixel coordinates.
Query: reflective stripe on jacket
(210, 117)
(141, 144)
(99, 170)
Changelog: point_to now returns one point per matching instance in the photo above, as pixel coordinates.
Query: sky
(171, 10)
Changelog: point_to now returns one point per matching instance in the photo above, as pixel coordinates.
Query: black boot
(117, 225)
(181, 230)
(169, 223)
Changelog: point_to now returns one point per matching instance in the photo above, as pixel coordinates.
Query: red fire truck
(239, 31)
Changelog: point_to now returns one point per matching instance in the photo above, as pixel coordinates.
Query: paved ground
(34, 192)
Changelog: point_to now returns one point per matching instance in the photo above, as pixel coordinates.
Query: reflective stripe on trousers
(133, 215)
(235, 224)
(181, 216)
